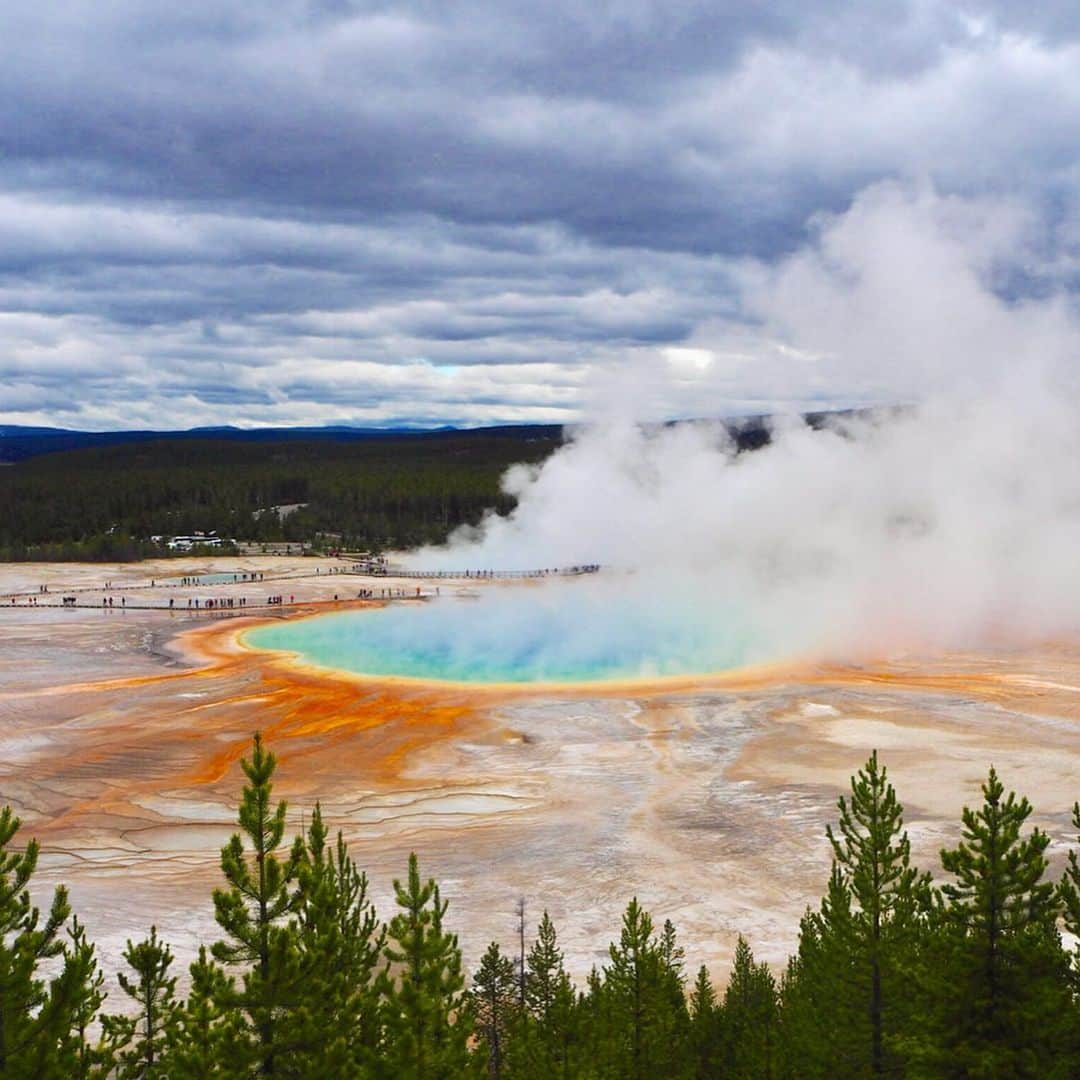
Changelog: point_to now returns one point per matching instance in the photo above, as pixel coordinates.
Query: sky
(415, 213)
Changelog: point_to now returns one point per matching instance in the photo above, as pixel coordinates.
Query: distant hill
(20, 443)
(23, 430)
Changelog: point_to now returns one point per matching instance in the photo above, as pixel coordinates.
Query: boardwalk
(486, 575)
(215, 593)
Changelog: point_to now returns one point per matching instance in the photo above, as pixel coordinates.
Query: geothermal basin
(562, 633)
(534, 769)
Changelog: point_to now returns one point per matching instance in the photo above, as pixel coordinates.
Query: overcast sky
(325, 211)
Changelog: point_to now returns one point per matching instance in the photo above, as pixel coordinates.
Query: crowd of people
(216, 603)
(109, 600)
(200, 579)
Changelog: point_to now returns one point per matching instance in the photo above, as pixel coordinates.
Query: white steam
(955, 521)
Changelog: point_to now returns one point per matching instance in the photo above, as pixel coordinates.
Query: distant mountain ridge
(21, 429)
(18, 443)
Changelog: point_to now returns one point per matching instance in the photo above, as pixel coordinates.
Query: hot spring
(560, 633)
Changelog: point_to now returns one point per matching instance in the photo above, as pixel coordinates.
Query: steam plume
(952, 521)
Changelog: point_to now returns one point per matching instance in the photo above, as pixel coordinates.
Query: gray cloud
(315, 211)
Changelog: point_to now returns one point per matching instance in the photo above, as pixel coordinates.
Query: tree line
(894, 974)
(105, 503)
(75, 496)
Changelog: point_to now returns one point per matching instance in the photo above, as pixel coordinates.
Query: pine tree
(674, 1016)
(594, 1022)
(796, 1025)
(1003, 994)
(1070, 888)
(253, 909)
(873, 854)
(543, 969)
(426, 1016)
(627, 983)
(36, 1021)
(495, 1007)
(89, 1059)
(672, 955)
(334, 1028)
(705, 1029)
(750, 1014)
(551, 1005)
(209, 1040)
(703, 996)
(649, 1026)
(824, 1028)
(1070, 902)
(140, 1042)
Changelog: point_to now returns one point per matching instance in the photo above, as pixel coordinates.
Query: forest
(895, 974)
(359, 493)
(76, 496)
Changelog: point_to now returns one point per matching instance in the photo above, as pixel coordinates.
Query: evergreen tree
(36, 1021)
(1070, 901)
(674, 1017)
(649, 1027)
(1003, 995)
(824, 1029)
(209, 1040)
(253, 909)
(1070, 888)
(672, 955)
(796, 1024)
(602, 1030)
(750, 1014)
(495, 1007)
(705, 1029)
(334, 1028)
(426, 1016)
(890, 977)
(139, 1042)
(551, 1003)
(627, 983)
(89, 1059)
(873, 854)
(543, 969)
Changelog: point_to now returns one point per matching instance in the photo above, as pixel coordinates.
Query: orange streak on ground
(343, 734)
(335, 736)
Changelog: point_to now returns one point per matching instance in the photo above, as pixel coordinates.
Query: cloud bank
(316, 211)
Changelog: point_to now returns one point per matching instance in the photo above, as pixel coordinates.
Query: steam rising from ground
(537, 635)
(954, 521)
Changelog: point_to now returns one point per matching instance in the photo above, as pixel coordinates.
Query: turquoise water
(555, 634)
